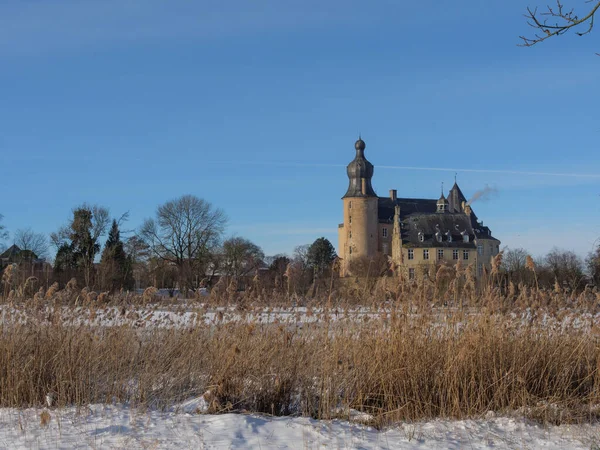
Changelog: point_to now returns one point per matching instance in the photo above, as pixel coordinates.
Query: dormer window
(465, 237)
(438, 236)
(449, 236)
(421, 237)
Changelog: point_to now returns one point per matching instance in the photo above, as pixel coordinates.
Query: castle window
(466, 237)
(350, 204)
(438, 236)
(350, 234)
(411, 253)
(440, 253)
(455, 254)
(465, 254)
(449, 237)
(384, 232)
(421, 237)
(350, 250)
(425, 253)
(349, 219)
(480, 249)
(411, 273)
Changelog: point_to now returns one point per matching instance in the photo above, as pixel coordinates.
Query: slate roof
(358, 170)
(455, 199)
(419, 215)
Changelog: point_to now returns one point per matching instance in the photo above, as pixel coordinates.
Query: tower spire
(360, 172)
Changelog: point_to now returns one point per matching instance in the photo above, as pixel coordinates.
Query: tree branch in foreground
(556, 21)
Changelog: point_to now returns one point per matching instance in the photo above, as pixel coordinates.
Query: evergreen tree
(115, 265)
(83, 242)
(320, 255)
(65, 258)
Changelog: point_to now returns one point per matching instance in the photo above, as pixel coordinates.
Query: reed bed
(445, 347)
(392, 368)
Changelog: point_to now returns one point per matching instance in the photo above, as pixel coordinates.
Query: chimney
(393, 194)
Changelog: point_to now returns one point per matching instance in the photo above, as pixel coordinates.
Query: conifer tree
(115, 266)
(320, 254)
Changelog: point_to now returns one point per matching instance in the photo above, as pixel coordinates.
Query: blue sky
(255, 106)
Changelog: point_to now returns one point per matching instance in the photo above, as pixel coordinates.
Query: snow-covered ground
(193, 314)
(111, 427)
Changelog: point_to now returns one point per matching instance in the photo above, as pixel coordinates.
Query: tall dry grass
(439, 346)
(394, 367)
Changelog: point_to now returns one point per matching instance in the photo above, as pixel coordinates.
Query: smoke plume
(482, 194)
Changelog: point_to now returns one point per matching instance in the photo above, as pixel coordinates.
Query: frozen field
(116, 427)
(194, 314)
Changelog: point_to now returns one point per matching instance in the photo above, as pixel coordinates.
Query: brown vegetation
(435, 347)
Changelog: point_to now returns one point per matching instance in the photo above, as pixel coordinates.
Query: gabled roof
(14, 252)
(386, 207)
(419, 215)
(11, 251)
(455, 199)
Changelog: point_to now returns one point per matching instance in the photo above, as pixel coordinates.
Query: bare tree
(241, 257)
(28, 240)
(514, 262)
(592, 263)
(557, 20)
(3, 232)
(566, 268)
(139, 252)
(184, 233)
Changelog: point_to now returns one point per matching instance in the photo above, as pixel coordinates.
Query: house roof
(14, 252)
(455, 199)
(420, 217)
(11, 251)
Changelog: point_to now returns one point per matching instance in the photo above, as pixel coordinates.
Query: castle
(416, 233)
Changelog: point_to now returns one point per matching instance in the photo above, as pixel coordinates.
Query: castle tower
(358, 234)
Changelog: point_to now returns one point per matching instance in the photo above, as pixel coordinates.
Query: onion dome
(360, 171)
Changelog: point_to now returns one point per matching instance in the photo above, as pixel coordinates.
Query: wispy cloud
(415, 168)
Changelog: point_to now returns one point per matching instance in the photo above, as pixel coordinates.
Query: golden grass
(395, 366)
(440, 346)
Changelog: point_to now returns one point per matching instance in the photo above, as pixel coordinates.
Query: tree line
(182, 247)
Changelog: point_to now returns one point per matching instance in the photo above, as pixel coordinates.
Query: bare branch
(555, 21)
(28, 240)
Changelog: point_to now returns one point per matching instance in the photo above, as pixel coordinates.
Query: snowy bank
(101, 426)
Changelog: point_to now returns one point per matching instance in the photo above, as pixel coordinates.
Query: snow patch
(103, 426)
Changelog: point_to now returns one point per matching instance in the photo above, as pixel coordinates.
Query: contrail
(433, 169)
(508, 172)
